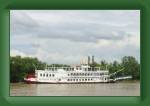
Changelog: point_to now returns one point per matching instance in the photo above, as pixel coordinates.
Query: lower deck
(70, 80)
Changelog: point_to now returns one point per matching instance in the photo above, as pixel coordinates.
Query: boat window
(53, 75)
(101, 73)
(49, 74)
(76, 79)
(46, 75)
(41, 74)
(106, 73)
(97, 74)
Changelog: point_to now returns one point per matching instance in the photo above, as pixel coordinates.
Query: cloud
(71, 26)
(17, 53)
(21, 22)
(65, 36)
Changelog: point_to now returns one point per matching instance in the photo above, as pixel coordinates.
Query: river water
(128, 88)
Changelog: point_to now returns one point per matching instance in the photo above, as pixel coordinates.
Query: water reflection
(101, 89)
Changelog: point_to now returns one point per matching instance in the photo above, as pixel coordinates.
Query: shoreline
(120, 81)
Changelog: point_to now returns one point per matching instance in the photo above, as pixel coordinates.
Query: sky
(69, 36)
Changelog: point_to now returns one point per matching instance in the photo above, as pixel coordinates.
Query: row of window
(72, 69)
(88, 79)
(87, 74)
(74, 74)
(46, 75)
(67, 69)
(75, 79)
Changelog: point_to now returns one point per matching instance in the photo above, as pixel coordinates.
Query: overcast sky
(69, 36)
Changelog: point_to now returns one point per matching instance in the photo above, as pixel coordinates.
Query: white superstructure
(83, 73)
(77, 74)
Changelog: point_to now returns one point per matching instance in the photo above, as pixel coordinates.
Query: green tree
(20, 67)
(113, 67)
(103, 64)
(131, 66)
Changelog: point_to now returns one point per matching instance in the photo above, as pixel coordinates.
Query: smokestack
(88, 60)
(92, 59)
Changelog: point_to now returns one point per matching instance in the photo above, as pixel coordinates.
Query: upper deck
(76, 68)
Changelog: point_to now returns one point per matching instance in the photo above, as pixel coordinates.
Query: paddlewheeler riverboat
(83, 73)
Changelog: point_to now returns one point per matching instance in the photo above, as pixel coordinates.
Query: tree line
(22, 66)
